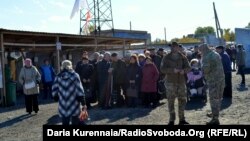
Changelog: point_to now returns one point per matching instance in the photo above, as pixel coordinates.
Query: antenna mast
(101, 16)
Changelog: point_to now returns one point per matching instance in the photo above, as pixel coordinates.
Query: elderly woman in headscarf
(68, 90)
(30, 77)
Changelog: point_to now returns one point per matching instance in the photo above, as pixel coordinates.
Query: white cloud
(57, 19)
(132, 9)
(241, 3)
(58, 4)
(28, 28)
(18, 10)
(40, 4)
(44, 25)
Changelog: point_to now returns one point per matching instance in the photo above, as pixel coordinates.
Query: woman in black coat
(133, 81)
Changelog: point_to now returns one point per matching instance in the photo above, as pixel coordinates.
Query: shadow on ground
(21, 104)
(197, 103)
(116, 114)
(54, 120)
(15, 120)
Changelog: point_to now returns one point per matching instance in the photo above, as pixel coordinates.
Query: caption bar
(198, 132)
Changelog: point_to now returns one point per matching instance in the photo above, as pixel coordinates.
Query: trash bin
(11, 93)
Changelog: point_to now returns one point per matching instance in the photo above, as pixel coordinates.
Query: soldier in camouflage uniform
(175, 66)
(214, 74)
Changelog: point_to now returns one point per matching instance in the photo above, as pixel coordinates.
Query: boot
(171, 123)
(213, 122)
(183, 122)
(210, 115)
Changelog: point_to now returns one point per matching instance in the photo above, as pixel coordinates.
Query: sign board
(243, 37)
(59, 46)
(212, 40)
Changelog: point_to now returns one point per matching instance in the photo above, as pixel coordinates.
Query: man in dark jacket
(85, 70)
(103, 74)
(84, 54)
(94, 82)
(227, 71)
(234, 53)
(119, 81)
(195, 53)
(157, 61)
(241, 62)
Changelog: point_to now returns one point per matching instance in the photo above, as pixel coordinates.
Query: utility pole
(130, 25)
(165, 34)
(218, 28)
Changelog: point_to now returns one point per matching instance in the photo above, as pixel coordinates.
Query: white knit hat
(67, 64)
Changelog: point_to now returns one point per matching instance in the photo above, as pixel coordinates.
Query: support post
(3, 94)
(124, 48)
(96, 42)
(57, 55)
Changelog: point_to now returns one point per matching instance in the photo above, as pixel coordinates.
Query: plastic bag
(83, 115)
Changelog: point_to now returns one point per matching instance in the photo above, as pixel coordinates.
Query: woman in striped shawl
(68, 90)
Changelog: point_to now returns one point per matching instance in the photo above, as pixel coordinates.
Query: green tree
(204, 30)
(189, 40)
(175, 40)
(248, 26)
(228, 35)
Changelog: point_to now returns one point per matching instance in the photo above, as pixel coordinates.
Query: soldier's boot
(183, 122)
(214, 122)
(210, 115)
(171, 123)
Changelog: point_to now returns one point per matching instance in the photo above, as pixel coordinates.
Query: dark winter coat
(85, 71)
(226, 62)
(119, 72)
(102, 72)
(157, 61)
(134, 74)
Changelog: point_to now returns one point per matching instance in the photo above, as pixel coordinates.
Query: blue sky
(180, 17)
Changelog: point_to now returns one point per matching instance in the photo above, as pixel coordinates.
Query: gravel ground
(16, 125)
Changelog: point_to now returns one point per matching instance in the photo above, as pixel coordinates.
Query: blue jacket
(226, 62)
(48, 73)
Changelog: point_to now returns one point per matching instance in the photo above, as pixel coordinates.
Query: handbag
(30, 85)
(132, 92)
(83, 115)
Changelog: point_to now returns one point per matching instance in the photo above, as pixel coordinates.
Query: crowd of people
(112, 81)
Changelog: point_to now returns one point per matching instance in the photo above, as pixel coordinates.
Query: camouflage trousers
(216, 90)
(174, 91)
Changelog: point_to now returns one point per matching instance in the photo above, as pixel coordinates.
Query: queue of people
(115, 82)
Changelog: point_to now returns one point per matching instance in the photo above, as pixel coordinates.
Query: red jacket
(150, 76)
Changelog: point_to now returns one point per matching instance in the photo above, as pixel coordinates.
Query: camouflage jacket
(171, 62)
(212, 67)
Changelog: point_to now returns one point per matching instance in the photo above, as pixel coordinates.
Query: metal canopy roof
(44, 41)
